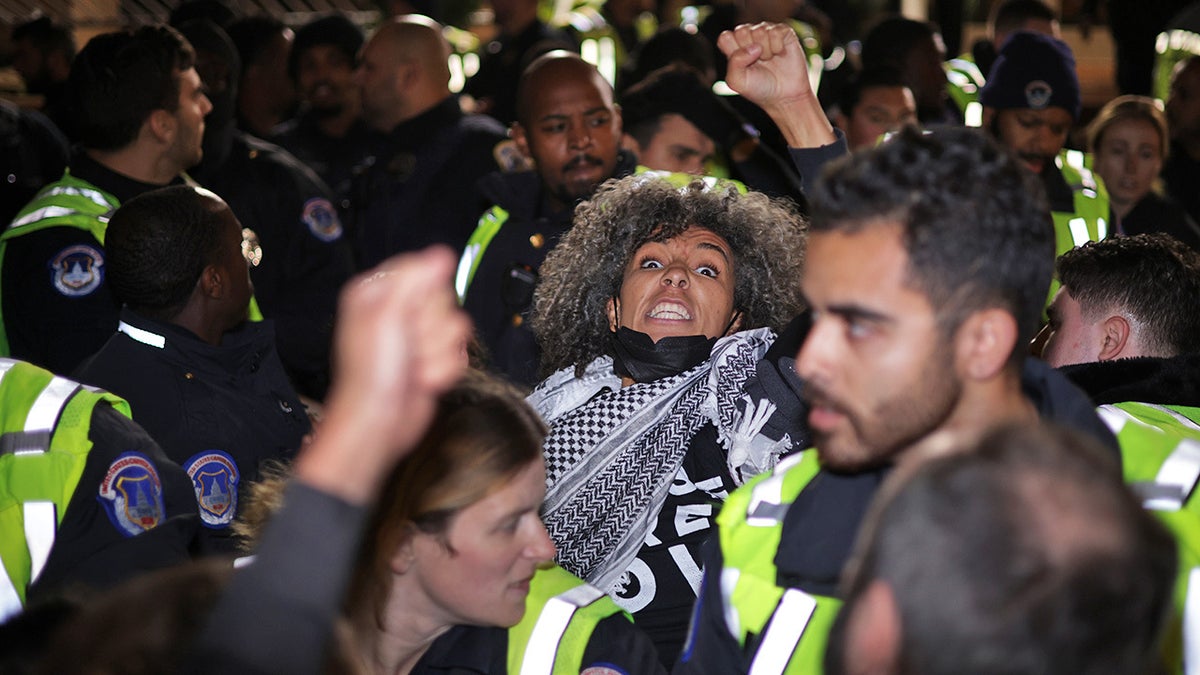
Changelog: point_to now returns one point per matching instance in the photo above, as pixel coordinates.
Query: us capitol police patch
(131, 494)
(322, 219)
(77, 270)
(215, 478)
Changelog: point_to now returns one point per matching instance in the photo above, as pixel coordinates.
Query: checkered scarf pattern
(611, 460)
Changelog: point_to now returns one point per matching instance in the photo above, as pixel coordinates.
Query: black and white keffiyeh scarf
(612, 453)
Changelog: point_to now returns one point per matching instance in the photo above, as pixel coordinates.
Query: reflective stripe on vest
(767, 506)
(489, 224)
(751, 597)
(1179, 472)
(41, 523)
(10, 601)
(788, 622)
(551, 625)
(1191, 624)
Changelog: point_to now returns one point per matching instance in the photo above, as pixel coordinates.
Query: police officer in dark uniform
(206, 383)
(568, 124)
(328, 135)
(141, 124)
(87, 497)
(419, 189)
(305, 256)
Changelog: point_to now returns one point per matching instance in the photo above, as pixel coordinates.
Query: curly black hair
(585, 270)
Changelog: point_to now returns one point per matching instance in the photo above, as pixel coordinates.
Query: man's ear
(611, 308)
(1115, 338)
(212, 282)
(162, 126)
(873, 632)
(989, 115)
(517, 132)
(630, 143)
(841, 120)
(984, 342)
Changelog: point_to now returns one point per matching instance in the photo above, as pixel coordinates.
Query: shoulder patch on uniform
(322, 219)
(603, 669)
(509, 157)
(215, 479)
(77, 271)
(131, 494)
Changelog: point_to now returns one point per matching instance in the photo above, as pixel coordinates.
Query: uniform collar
(243, 349)
(118, 185)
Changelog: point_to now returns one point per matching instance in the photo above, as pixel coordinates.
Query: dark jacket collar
(241, 350)
(118, 185)
(520, 192)
(1166, 381)
(417, 131)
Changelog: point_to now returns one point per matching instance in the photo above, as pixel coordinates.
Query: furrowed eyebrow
(714, 247)
(858, 312)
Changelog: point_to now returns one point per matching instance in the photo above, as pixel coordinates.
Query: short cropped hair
(252, 35)
(119, 78)
(1154, 277)
(889, 42)
(1009, 16)
(158, 244)
(976, 225)
(877, 76)
(586, 268)
(1024, 554)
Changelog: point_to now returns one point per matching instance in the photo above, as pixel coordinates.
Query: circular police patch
(603, 669)
(322, 219)
(131, 494)
(1037, 94)
(215, 478)
(77, 270)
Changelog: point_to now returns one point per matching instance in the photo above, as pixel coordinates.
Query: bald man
(569, 126)
(420, 188)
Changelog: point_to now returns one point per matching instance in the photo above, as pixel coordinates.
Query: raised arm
(768, 67)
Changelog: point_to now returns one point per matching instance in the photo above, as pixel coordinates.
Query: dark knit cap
(1033, 71)
(335, 29)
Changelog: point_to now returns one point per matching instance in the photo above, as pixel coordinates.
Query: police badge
(131, 494)
(77, 271)
(215, 478)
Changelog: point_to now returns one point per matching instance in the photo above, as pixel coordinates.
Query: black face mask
(641, 359)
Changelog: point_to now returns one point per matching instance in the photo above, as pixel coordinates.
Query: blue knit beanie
(1033, 71)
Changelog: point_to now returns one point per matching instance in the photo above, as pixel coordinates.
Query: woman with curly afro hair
(652, 313)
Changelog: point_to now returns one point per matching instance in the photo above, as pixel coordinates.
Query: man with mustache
(928, 264)
(569, 126)
(1030, 102)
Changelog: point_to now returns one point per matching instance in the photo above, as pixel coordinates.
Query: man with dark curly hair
(928, 264)
(141, 108)
(653, 312)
